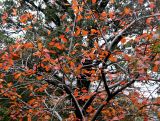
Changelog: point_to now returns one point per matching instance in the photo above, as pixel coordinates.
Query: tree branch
(115, 41)
(78, 111)
(105, 83)
(109, 98)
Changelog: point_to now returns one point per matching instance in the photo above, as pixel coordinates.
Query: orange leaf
(74, 2)
(76, 93)
(78, 31)
(14, 13)
(17, 75)
(15, 56)
(25, 28)
(39, 77)
(84, 90)
(158, 114)
(103, 14)
(123, 83)
(84, 33)
(59, 46)
(67, 29)
(76, 10)
(94, 1)
(63, 16)
(29, 117)
(9, 84)
(75, 6)
(66, 70)
(48, 32)
(51, 44)
(1, 65)
(72, 64)
(112, 1)
(111, 15)
(40, 45)
(31, 101)
(155, 68)
(93, 31)
(38, 53)
(62, 37)
(126, 57)
(96, 44)
(79, 17)
(127, 11)
(28, 45)
(123, 40)
(29, 27)
(23, 18)
(47, 117)
(90, 109)
(148, 20)
(112, 58)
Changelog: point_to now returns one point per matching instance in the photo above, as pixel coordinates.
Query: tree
(59, 48)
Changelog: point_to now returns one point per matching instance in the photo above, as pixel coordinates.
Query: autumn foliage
(79, 60)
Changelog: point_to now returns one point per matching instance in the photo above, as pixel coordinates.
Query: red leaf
(62, 37)
(5, 16)
(90, 109)
(155, 68)
(67, 29)
(15, 56)
(123, 40)
(152, 5)
(111, 15)
(103, 14)
(94, 1)
(126, 57)
(149, 20)
(140, 1)
(23, 18)
(76, 93)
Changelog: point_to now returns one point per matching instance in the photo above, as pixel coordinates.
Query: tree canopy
(79, 60)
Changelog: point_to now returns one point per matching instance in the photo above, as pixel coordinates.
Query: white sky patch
(147, 90)
(69, 1)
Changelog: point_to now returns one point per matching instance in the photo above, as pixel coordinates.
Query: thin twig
(73, 29)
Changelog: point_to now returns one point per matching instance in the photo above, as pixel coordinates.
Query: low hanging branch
(111, 97)
(78, 110)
